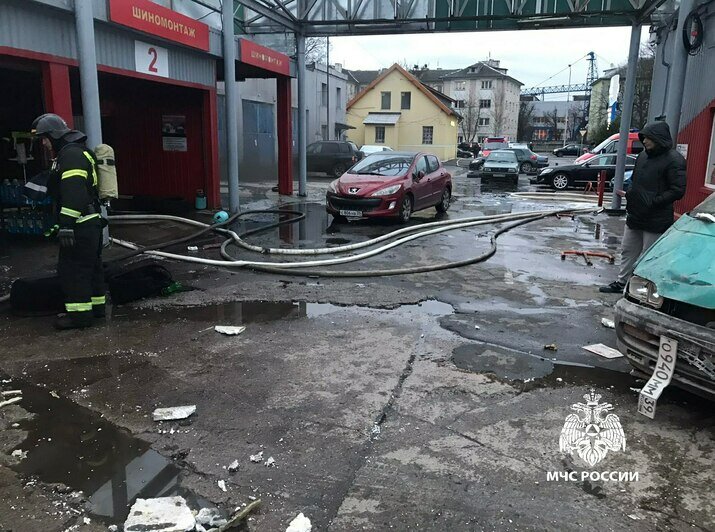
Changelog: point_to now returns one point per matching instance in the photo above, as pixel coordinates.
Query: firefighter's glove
(66, 238)
(52, 231)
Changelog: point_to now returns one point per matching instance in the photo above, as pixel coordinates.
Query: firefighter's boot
(74, 320)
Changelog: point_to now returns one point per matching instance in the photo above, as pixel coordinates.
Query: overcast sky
(530, 56)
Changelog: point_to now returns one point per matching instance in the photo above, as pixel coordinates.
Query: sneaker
(614, 288)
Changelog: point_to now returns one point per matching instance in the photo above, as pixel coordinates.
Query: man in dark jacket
(73, 185)
(658, 181)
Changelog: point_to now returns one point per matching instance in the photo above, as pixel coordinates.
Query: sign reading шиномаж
(149, 17)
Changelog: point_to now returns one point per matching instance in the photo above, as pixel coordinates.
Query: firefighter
(73, 185)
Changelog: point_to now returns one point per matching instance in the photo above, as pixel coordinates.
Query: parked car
(393, 184)
(369, 149)
(475, 165)
(671, 295)
(562, 177)
(472, 147)
(569, 149)
(610, 145)
(528, 161)
(489, 146)
(627, 180)
(332, 157)
(464, 154)
(501, 164)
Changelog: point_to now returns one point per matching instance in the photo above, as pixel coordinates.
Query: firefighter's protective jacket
(78, 201)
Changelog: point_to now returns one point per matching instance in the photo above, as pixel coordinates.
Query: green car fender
(682, 263)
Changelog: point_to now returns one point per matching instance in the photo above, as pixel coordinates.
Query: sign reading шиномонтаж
(157, 20)
(262, 57)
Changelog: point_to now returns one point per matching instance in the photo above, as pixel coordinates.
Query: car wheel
(444, 203)
(338, 219)
(338, 170)
(526, 168)
(560, 181)
(405, 209)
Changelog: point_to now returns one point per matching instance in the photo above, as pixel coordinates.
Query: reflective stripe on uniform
(88, 217)
(72, 173)
(94, 169)
(70, 212)
(101, 300)
(78, 307)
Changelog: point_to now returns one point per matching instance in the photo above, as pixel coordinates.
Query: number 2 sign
(151, 59)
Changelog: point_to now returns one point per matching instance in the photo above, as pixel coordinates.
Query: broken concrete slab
(173, 413)
(603, 350)
(164, 514)
(300, 524)
(210, 517)
(229, 330)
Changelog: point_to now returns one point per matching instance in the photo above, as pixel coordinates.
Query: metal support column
(676, 83)
(89, 86)
(626, 112)
(302, 119)
(229, 76)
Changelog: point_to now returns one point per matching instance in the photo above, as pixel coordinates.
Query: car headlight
(546, 171)
(333, 187)
(387, 190)
(644, 291)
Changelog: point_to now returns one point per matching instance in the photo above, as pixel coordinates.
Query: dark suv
(529, 162)
(333, 157)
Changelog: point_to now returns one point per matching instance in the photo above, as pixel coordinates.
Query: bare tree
(471, 113)
(551, 119)
(525, 127)
(316, 49)
(498, 107)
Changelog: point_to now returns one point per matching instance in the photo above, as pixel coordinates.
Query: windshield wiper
(705, 217)
(369, 173)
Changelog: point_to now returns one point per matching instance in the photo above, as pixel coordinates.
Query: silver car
(501, 164)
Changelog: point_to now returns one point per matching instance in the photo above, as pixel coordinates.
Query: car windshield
(706, 207)
(494, 145)
(383, 164)
(603, 144)
(501, 157)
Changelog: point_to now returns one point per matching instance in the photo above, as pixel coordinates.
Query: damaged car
(671, 295)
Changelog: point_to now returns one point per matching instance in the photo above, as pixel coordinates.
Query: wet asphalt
(410, 402)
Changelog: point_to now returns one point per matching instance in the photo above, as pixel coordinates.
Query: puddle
(69, 444)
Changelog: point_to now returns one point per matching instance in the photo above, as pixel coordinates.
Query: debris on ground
(173, 413)
(210, 517)
(270, 462)
(257, 458)
(11, 392)
(112, 528)
(608, 323)
(551, 347)
(164, 514)
(233, 466)
(237, 518)
(19, 453)
(300, 524)
(222, 485)
(12, 400)
(376, 430)
(603, 351)
(476, 327)
(229, 330)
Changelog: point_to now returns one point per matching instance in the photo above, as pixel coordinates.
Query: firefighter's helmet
(50, 125)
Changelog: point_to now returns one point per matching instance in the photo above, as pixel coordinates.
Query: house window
(386, 100)
(427, 134)
(338, 98)
(438, 88)
(487, 84)
(485, 104)
(460, 85)
(324, 94)
(459, 104)
(405, 100)
(380, 134)
(710, 171)
(483, 121)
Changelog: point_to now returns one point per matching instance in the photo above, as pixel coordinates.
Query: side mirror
(419, 175)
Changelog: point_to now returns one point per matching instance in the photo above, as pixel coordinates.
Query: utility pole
(568, 96)
(327, 87)
(229, 76)
(89, 86)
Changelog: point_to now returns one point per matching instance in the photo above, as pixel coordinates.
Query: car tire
(526, 168)
(405, 209)
(445, 201)
(338, 170)
(338, 219)
(560, 181)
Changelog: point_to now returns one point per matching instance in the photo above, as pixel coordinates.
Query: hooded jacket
(658, 181)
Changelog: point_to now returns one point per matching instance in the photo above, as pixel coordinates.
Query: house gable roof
(412, 79)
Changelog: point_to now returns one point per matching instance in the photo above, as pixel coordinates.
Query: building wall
(697, 110)
(317, 111)
(407, 134)
(598, 109)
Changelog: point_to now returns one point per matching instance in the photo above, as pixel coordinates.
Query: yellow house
(398, 111)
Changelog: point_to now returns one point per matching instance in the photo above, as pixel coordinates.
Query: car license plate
(499, 175)
(663, 373)
(351, 214)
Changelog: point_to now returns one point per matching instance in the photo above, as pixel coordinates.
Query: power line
(561, 71)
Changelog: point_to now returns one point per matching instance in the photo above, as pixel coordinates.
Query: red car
(390, 184)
